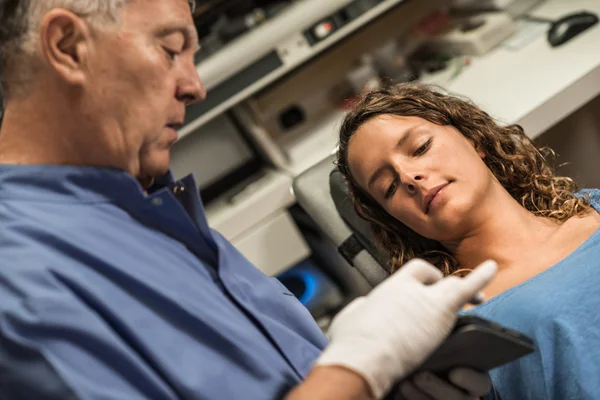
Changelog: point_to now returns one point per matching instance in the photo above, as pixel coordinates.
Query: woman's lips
(432, 196)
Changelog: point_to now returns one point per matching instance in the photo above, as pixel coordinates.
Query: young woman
(439, 179)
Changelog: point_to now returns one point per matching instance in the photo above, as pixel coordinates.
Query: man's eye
(423, 148)
(391, 190)
(171, 54)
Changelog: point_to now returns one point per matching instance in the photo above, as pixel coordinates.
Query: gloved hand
(464, 384)
(390, 332)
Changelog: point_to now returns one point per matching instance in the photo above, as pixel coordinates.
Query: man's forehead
(145, 7)
(191, 4)
(153, 13)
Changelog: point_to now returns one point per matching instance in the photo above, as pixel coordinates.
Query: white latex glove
(390, 332)
(464, 384)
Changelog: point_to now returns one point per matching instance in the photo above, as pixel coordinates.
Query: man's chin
(155, 169)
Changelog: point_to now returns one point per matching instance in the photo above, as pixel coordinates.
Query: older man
(112, 285)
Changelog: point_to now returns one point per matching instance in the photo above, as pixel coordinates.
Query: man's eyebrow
(190, 34)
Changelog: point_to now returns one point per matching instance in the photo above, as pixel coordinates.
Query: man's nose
(190, 89)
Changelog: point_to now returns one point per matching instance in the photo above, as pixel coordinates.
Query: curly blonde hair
(522, 169)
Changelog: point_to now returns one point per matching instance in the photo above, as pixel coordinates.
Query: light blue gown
(560, 310)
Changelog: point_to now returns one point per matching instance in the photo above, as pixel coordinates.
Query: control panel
(326, 27)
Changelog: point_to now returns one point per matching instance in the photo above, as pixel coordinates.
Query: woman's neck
(505, 232)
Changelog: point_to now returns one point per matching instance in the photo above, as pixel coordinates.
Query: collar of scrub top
(67, 184)
(74, 184)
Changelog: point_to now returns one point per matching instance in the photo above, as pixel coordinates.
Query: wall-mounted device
(476, 35)
(296, 119)
(271, 50)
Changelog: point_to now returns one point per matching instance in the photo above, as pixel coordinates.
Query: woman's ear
(478, 149)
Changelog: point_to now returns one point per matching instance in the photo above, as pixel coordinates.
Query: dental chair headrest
(360, 227)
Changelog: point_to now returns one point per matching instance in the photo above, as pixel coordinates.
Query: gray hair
(19, 20)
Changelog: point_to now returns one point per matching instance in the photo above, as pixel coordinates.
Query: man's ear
(65, 40)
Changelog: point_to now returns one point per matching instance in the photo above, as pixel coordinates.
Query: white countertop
(537, 86)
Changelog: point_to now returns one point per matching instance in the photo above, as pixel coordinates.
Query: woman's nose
(411, 181)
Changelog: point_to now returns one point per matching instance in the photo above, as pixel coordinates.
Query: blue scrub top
(559, 310)
(109, 293)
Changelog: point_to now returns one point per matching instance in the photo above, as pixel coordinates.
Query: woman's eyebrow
(403, 139)
(376, 175)
(406, 135)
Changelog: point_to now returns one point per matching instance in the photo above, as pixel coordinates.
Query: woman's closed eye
(391, 189)
(423, 148)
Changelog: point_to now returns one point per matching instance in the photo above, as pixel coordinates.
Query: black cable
(533, 18)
